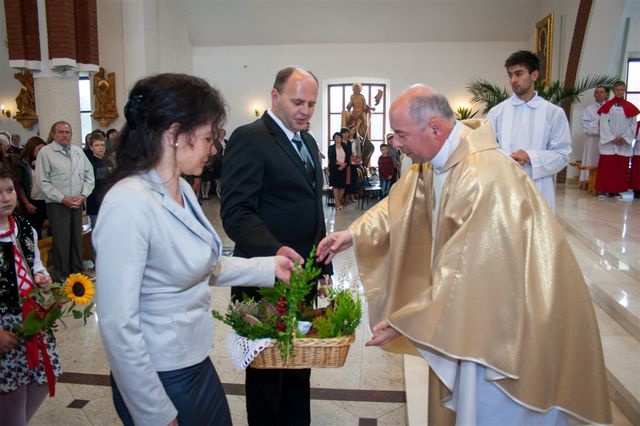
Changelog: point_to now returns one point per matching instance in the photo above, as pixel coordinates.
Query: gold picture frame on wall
(544, 46)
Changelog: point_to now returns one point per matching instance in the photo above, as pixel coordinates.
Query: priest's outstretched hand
(382, 333)
(333, 244)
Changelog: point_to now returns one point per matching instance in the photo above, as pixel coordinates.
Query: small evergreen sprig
(342, 316)
(276, 316)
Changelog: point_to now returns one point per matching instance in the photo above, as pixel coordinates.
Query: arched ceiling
(267, 22)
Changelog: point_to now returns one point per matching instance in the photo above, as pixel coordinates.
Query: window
(338, 98)
(633, 81)
(86, 125)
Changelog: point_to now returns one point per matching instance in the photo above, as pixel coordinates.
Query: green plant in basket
(276, 315)
(342, 316)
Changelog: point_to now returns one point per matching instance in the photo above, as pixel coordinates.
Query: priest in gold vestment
(465, 264)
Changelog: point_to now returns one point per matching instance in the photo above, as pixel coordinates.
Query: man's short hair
(424, 107)
(383, 145)
(283, 76)
(344, 130)
(57, 123)
(95, 136)
(527, 59)
(619, 83)
(606, 89)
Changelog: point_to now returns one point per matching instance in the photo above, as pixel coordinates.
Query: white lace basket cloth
(243, 351)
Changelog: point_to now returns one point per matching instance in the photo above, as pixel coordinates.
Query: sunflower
(79, 288)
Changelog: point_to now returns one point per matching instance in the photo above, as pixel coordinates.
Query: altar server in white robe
(617, 130)
(591, 127)
(532, 130)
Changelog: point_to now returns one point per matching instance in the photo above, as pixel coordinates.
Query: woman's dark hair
(5, 172)
(336, 134)
(30, 148)
(154, 104)
(110, 131)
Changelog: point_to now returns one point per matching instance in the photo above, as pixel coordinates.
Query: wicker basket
(307, 353)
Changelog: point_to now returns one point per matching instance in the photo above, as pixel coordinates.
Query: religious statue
(357, 115)
(26, 100)
(104, 91)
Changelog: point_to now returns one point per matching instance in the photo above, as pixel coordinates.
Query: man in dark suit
(272, 204)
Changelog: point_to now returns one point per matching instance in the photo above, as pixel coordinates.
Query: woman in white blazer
(157, 254)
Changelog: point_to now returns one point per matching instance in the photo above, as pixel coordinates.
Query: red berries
(282, 310)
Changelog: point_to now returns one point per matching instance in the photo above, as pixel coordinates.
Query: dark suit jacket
(268, 198)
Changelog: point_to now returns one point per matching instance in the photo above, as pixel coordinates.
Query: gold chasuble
(504, 289)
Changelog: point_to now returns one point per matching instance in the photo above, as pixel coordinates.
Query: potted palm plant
(489, 95)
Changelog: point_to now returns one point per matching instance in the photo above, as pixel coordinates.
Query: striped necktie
(305, 158)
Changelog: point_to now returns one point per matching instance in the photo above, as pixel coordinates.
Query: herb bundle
(277, 314)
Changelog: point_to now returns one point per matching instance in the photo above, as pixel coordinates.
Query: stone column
(58, 98)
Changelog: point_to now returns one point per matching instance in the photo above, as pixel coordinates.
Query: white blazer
(154, 262)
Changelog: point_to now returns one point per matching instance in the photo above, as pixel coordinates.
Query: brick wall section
(86, 21)
(579, 31)
(23, 36)
(61, 29)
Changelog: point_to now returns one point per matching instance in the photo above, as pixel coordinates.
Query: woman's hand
(333, 244)
(284, 266)
(382, 334)
(7, 341)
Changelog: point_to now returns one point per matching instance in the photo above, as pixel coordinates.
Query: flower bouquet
(50, 307)
(41, 312)
(283, 330)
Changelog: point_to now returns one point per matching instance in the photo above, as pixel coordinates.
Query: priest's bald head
(422, 121)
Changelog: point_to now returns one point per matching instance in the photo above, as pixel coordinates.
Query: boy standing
(385, 168)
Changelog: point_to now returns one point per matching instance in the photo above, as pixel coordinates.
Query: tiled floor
(605, 235)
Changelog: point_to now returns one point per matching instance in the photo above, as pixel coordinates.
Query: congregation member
(65, 176)
(395, 156)
(208, 172)
(617, 131)
(386, 169)
(102, 166)
(156, 254)
(355, 163)
(23, 387)
(338, 161)
(272, 204)
(349, 192)
(591, 127)
(32, 203)
(529, 128)
(15, 148)
(470, 268)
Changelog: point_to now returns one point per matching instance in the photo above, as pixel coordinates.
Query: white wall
(564, 20)
(245, 74)
(111, 48)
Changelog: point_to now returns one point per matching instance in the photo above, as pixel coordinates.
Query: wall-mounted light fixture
(257, 112)
(5, 112)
